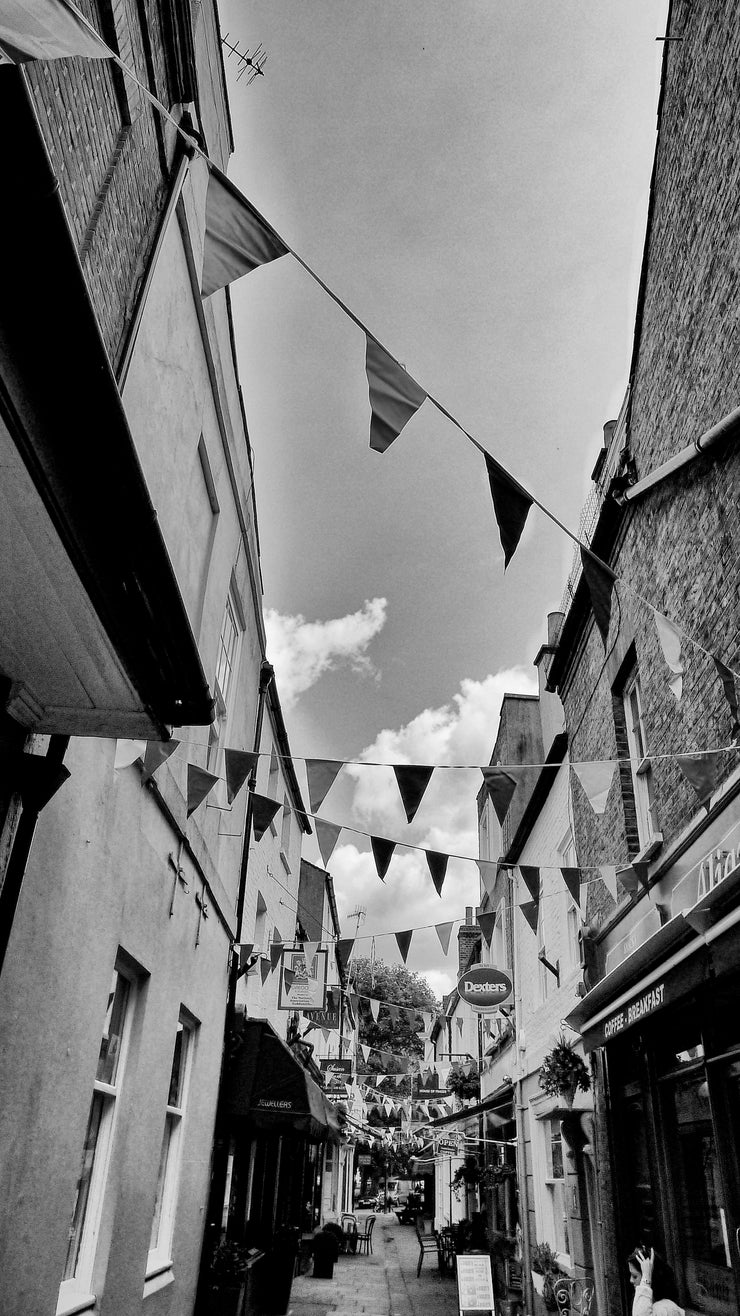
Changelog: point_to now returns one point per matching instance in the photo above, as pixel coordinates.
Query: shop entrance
(676, 1102)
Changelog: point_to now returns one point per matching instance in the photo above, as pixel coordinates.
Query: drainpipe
(727, 428)
(521, 1157)
(39, 778)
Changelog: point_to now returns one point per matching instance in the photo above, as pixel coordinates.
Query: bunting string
(401, 395)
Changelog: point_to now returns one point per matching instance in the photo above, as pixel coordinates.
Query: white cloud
(461, 732)
(302, 651)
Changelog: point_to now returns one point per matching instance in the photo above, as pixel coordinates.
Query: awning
(499, 1107)
(269, 1089)
(94, 633)
(670, 965)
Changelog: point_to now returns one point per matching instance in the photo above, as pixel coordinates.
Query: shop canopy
(667, 967)
(270, 1090)
(499, 1109)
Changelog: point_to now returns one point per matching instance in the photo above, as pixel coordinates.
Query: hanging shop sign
(485, 988)
(714, 869)
(337, 1074)
(302, 980)
(329, 1016)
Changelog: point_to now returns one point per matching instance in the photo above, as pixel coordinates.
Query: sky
(470, 178)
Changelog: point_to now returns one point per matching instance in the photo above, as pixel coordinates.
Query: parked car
(366, 1203)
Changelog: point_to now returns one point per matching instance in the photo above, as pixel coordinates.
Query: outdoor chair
(349, 1232)
(427, 1243)
(365, 1237)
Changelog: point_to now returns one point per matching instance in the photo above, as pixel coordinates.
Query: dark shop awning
(270, 1090)
(499, 1107)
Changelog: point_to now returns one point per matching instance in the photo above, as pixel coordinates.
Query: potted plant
(229, 1266)
(545, 1270)
(563, 1072)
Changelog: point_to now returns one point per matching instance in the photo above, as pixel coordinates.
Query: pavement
(381, 1284)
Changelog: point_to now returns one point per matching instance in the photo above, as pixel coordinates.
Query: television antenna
(251, 62)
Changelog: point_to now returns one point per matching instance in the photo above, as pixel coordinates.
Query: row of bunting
(238, 240)
(702, 771)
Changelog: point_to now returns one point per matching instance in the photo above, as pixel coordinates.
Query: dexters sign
(485, 988)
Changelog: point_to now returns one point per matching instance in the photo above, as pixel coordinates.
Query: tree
(400, 1034)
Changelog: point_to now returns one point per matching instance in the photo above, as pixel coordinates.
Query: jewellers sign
(484, 988)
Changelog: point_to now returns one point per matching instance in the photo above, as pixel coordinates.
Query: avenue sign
(485, 988)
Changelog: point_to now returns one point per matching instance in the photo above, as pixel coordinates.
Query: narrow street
(382, 1284)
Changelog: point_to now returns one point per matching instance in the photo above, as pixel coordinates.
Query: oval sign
(485, 988)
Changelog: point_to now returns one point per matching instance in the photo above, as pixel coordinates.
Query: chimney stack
(468, 938)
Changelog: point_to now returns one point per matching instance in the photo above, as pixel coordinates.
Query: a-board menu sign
(474, 1284)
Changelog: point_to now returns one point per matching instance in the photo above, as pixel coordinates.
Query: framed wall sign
(302, 981)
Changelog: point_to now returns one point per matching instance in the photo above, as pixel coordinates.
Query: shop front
(667, 1018)
(280, 1121)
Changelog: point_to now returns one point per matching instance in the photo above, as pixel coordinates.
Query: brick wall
(680, 545)
(106, 144)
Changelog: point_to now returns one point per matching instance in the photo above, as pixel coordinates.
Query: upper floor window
(648, 830)
(163, 1222)
(285, 833)
(97, 1148)
(499, 945)
(227, 660)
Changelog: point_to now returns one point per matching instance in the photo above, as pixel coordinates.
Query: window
(641, 771)
(227, 660)
(555, 1183)
(160, 1243)
(96, 1153)
(569, 859)
(285, 833)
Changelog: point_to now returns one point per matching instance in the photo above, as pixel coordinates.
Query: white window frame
(648, 830)
(500, 948)
(227, 667)
(286, 828)
(543, 979)
(76, 1290)
(569, 859)
(550, 1215)
(555, 1186)
(168, 1180)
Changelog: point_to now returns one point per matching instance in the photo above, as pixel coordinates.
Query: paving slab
(381, 1284)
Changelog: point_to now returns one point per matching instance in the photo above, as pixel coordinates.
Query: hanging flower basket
(563, 1072)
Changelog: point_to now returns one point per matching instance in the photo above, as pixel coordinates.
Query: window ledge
(649, 849)
(158, 1278)
(67, 1306)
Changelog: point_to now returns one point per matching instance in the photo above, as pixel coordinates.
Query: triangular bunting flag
(702, 772)
(155, 755)
(238, 764)
(403, 940)
(501, 786)
(531, 879)
(309, 949)
(46, 29)
(237, 238)
(412, 782)
(245, 954)
(600, 581)
(374, 1009)
(200, 783)
(394, 1012)
(263, 811)
(437, 867)
(276, 950)
(608, 875)
(670, 642)
(265, 970)
(486, 923)
(344, 948)
(488, 870)
(531, 911)
(394, 396)
(510, 504)
(382, 853)
(443, 931)
(728, 685)
(320, 774)
(365, 1051)
(459, 1023)
(596, 779)
(327, 835)
(289, 977)
(127, 752)
(572, 879)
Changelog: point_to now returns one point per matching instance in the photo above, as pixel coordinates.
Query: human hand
(646, 1262)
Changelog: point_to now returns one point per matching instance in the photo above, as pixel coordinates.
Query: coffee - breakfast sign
(484, 988)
